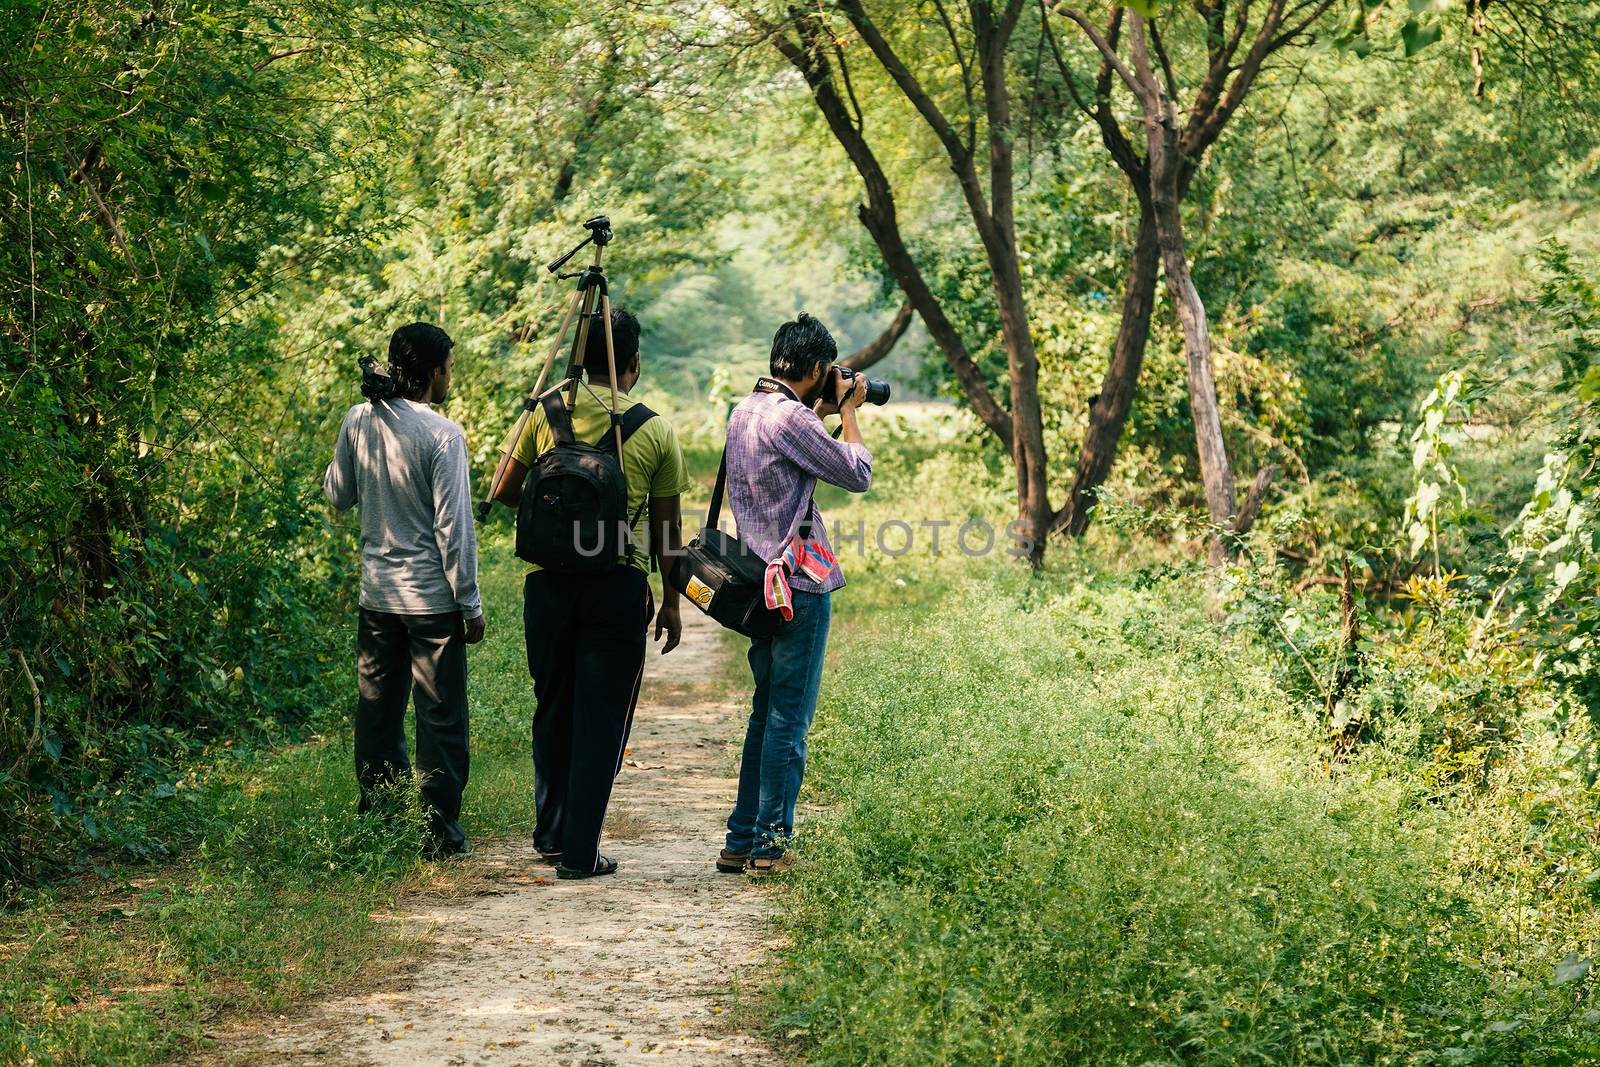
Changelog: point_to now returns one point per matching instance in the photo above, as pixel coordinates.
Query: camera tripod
(590, 299)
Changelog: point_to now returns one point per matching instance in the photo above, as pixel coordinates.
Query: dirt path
(649, 965)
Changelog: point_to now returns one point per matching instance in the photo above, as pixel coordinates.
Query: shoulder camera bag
(723, 576)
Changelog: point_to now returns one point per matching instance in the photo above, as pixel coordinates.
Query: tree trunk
(999, 231)
(1166, 168)
(1027, 439)
(1109, 412)
(1214, 469)
(1027, 421)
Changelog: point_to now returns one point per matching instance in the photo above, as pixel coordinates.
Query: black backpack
(574, 511)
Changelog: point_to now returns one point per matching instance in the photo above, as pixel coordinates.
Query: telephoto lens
(877, 391)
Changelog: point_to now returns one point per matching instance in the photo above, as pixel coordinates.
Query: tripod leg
(549, 360)
(611, 363)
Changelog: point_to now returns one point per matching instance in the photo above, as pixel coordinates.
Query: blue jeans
(788, 674)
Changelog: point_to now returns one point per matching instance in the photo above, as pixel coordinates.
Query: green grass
(1070, 819)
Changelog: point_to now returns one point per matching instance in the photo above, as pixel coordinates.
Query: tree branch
(880, 346)
(1106, 51)
(1061, 62)
(849, 87)
(1219, 53)
(966, 73)
(1253, 499)
(908, 83)
(1205, 128)
(1318, 9)
(1166, 64)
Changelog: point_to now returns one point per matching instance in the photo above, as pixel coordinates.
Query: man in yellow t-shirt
(586, 632)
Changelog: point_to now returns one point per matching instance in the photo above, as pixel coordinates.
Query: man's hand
(474, 630)
(668, 622)
(854, 394)
(832, 391)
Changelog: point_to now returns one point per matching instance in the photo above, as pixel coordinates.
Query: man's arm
(519, 452)
(339, 481)
(846, 462)
(666, 542)
(453, 531)
(508, 490)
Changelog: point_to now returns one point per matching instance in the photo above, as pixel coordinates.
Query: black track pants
(586, 642)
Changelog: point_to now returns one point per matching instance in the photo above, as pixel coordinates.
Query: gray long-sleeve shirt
(406, 465)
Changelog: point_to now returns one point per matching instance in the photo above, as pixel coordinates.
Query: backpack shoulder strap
(631, 420)
(557, 418)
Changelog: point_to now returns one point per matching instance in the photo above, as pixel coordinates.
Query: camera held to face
(877, 391)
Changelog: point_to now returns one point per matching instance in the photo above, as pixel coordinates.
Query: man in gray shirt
(406, 465)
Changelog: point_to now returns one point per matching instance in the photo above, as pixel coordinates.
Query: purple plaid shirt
(777, 449)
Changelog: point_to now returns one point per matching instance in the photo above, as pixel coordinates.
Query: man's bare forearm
(666, 533)
(508, 484)
(850, 429)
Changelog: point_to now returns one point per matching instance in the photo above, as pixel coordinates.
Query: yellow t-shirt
(652, 458)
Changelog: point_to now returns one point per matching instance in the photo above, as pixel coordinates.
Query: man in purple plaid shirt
(778, 448)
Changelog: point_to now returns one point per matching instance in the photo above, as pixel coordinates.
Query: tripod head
(599, 229)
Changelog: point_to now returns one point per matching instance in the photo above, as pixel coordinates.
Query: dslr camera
(877, 391)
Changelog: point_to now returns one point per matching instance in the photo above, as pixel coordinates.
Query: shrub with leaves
(163, 574)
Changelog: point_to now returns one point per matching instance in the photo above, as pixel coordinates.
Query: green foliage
(164, 585)
(1555, 542)
(273, 902)
(281, 892)
(1434, 473)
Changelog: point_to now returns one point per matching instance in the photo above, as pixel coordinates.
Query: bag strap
(633, 546)
(714, 512)
(631, 420)
(557, 418)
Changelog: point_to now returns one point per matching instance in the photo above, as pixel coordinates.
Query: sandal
(603, 865)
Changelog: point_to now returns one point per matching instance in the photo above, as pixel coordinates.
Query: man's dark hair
(415, 352)
(799, 345)
(624, 335)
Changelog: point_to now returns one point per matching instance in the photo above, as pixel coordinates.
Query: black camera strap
(765, 384)
(714, 512)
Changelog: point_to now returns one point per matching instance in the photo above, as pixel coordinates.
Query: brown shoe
(762, 866)
(732, 862)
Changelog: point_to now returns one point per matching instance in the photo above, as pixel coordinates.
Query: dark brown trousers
(401, 657)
